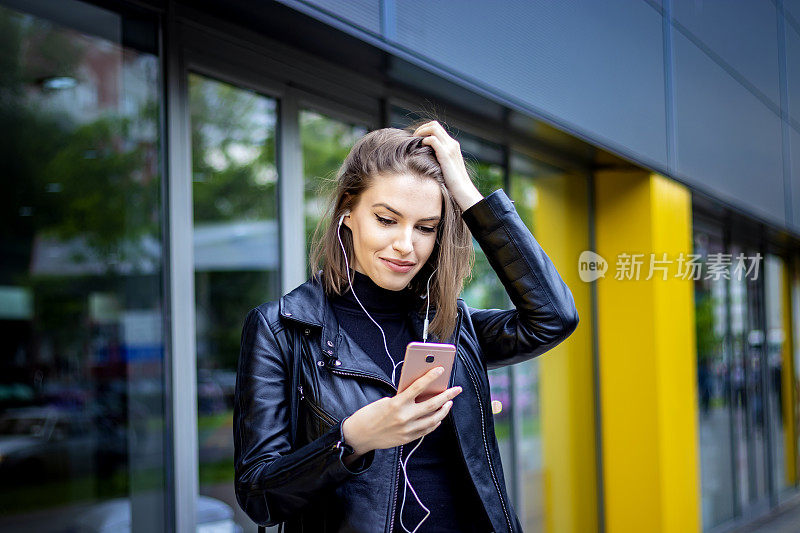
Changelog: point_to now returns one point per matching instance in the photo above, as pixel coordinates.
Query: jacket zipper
(362, 375)
(396, 484)
(486, 444)
(255, 487)
(327, 417)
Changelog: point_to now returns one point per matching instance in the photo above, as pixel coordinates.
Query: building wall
(704, 92)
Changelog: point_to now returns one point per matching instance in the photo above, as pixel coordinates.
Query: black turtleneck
(436, 469)
(388, 308)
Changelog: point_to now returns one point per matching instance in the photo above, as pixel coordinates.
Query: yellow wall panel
(647, 357)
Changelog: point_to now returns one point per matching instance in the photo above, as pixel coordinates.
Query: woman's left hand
(448, 153)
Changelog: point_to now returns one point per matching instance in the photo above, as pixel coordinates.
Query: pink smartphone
(420, 358)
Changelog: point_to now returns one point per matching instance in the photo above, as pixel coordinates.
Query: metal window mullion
(291, 201)
(182, 395)
(596, 381)
(766, 394)
(669, 87)
(729, 343)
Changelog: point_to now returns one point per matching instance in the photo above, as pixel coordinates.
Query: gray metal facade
(705, 92)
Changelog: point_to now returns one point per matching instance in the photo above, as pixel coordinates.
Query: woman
(396, 249)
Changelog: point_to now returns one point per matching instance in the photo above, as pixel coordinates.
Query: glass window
(714, 372)
(325, 144)
(541, 194)
(483, 290)
(750, 427)
(526, 377)
(236, 255)
(732, 307)
(81, 362)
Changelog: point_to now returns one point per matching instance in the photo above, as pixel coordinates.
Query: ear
(346, 221)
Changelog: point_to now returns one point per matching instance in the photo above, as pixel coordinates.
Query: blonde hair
(390, 151)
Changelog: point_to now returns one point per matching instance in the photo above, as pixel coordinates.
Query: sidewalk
(786, 520)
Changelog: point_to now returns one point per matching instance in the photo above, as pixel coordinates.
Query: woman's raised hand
(392, 421)
(448, 153)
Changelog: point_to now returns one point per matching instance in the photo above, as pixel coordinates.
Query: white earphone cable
(350, 281)
(394, 368)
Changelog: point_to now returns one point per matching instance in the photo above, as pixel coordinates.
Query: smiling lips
(398, 266)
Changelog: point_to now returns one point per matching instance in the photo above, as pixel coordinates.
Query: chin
(394, 282)
(394, 285)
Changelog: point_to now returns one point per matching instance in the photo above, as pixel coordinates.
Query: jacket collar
(308, 305)
(305, 304)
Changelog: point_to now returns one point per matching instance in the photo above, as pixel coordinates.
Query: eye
(389, 222)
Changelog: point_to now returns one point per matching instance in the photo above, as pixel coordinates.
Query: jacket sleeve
(272, 482)
(544, 313)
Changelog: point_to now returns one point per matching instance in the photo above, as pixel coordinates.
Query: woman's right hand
(392, 421)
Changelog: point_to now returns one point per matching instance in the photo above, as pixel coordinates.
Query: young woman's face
(394, 228)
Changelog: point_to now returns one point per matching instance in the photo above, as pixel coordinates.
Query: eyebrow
(398, 213)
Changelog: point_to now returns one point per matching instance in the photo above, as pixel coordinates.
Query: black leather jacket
(311, 488)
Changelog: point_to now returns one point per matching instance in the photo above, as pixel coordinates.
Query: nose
(404, 244)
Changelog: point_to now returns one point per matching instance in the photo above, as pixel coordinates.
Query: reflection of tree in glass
(233, 152)
(103, 189)
(708, 341)
(94, 179)
(234, 180)
(81, 174)
(325, 144)
(524, 193)
(483, 290)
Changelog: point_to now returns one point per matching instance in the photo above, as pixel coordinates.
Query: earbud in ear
(341, 218)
